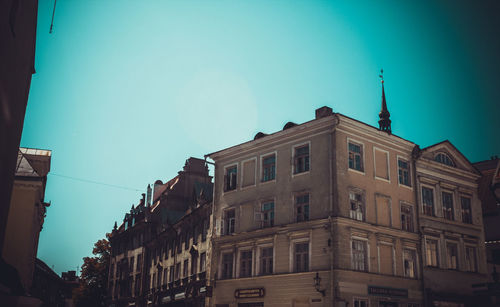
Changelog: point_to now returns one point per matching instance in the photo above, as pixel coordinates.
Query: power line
(96, 182)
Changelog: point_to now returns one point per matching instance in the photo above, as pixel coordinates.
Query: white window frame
(308, 143)
(294, 197)
(438, 251)
(363, 152)
(476, 256)
(416, 261)
(257, 261)
(230, 165)
(363, 200)
(410, 170)
(243, 170)
(357, 238)
(388, 180)
(470, 197)
(457, 245)
(414, 213)
(357, 298)
(261, 170)
(292, 243)
(261, 208)
(252, 265)
(221, 259)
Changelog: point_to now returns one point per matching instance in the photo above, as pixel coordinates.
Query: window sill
(356, 171)
(300, 174)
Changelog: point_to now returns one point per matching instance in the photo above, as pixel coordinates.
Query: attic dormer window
(444, 159)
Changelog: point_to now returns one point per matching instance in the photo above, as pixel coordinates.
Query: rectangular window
(448, 206)
(359, 255)
(230, 178)
(359, 302)
(203, 262)
(466, 210)
(165, 276)
(227, 266)
(302, 257)
(158, 281)
(246, 264)
(178, 271)
(302, 207)
(131, 263)
(171, 274)
(194, 263)
(268, 214)
(139, 263)
(230, 221)
(204, 230)
(431, 253)
(195, 235)
(407, 218)
(410, 263)
(187, 236)
(452, 256)
(404, 172)
(356, 157)
(470, 259)
(428, 201)
(357, 206)
(266, 261)
(301, 159)
(185, 273)
(268, 168)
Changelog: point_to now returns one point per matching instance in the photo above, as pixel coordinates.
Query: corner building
(327, 213)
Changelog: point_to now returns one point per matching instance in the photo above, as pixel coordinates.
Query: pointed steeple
(384, 115)
(116, 226)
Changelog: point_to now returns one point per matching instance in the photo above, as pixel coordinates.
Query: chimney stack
(323, 112)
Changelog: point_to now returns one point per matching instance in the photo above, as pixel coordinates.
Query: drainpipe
(414, 156)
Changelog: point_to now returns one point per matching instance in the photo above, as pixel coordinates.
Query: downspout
(414, 156)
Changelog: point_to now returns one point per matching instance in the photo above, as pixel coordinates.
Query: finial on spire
(384, 115)
(116, 226)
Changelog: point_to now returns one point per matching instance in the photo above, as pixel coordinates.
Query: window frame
(366, 245)
(446, 157)
(261, 259)
(247, 261)
(264, 156)
(449, 261)
(294, 161)
(362, 146)
(308, 254)
(226, 222)
(357, 299)
(423, 205)
(302, 206)
(447, 215)
(222, 266)
(476, 264)
(362, 201)
(462, 210)
(273, 212)
(436, 241)
(415, 262)
(226, 188)
(405, 204)
(408, 161)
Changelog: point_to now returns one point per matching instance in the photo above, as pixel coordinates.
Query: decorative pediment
(447, 155)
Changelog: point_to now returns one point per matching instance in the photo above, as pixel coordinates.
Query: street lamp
(317, 284)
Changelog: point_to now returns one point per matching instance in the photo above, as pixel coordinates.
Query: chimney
(323, 112)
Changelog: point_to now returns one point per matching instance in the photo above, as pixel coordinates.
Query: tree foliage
(94, 277)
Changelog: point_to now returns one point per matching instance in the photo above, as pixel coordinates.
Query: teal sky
(125, 90)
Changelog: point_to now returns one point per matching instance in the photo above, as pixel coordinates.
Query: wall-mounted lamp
(317, 284)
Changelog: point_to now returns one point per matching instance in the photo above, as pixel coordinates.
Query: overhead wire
(96, 182)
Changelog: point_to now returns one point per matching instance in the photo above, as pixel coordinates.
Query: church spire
(384, 115)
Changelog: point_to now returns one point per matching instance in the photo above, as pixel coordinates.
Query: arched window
(445, 159)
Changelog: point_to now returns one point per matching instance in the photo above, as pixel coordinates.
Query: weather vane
(381, 75)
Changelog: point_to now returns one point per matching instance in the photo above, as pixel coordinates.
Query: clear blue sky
(125, 90)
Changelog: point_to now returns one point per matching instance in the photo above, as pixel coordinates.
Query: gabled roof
(449, 149)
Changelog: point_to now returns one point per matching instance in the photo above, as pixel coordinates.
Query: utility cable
(96, 182)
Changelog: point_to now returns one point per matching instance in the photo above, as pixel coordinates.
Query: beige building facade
(328, 213)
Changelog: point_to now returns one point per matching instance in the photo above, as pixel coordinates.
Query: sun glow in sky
(125, 91)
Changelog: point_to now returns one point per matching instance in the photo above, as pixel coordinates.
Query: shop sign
(382, 291)
(249, 293)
